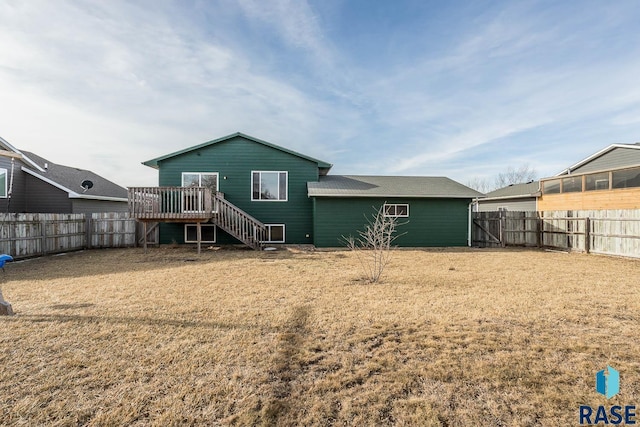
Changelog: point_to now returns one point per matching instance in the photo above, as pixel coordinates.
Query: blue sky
(457, 88)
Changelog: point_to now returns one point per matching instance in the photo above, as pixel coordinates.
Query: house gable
(613, 157)
(235, 159)
(322, 166)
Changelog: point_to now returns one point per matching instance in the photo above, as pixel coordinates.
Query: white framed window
(274, 233)
(200, 179)
(191, 233)
(269, 186)
(3, 183)
(396, 210)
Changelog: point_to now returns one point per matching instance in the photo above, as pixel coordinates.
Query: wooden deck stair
(195, 205)
(238, 223)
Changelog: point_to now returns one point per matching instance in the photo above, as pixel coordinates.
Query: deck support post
(144, 229)
(199, 228)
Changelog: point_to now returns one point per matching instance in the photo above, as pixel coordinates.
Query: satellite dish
(86, 184)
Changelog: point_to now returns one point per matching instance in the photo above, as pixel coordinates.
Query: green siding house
(433, 211)
(261, 189)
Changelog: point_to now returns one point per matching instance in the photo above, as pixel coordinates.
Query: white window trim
(503, 209)
(217, 174)
(6, 183)
(286, 196)
(215, 233)
(597, 181)
(284, 233)
(395, 204)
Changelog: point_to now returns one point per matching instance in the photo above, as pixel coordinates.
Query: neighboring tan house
(242, 189)
(514, 197)
(29, 183)
(608, 179)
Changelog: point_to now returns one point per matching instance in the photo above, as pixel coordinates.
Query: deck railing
(170, 203)
(238, 223)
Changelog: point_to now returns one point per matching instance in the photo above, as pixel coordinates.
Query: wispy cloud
(110, 84)
(511, 78)
(117, 74)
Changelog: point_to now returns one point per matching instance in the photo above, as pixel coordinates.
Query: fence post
(88, 234)
(503, 223)
(13, 241)
(43, 225)
(587, 234)
(539, 230)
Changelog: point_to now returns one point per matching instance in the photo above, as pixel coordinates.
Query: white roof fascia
(90, 197)
(521, 196)
(24, 158)
(48, 181)
(596, 155)
(382, 196)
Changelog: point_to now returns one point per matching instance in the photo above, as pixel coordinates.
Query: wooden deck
(194, 205)
(171, 204)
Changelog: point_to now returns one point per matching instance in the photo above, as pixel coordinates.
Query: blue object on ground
(4, 258)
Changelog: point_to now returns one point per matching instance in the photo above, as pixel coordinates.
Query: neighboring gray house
(514, 197)
(41, 186)
(608, 179)
(613, 157)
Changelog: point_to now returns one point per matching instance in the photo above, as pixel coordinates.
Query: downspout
(469, 224)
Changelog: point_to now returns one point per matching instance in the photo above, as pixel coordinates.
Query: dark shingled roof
(389, 186)
(529, 189)
(71, 178)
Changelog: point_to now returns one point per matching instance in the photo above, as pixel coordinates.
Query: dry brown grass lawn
(451, 337)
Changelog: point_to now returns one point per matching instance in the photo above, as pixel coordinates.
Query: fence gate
(153, 233)
(487, 231)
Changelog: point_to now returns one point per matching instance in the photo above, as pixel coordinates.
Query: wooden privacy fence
(611, 232)
(27, 235)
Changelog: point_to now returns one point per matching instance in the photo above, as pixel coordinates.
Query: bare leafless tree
(480, 184)
(374, 244)
(522, 174)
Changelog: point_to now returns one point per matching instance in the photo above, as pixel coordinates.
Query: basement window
(191, 233)
(274, 233)
(396, 210)
(269, 186)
